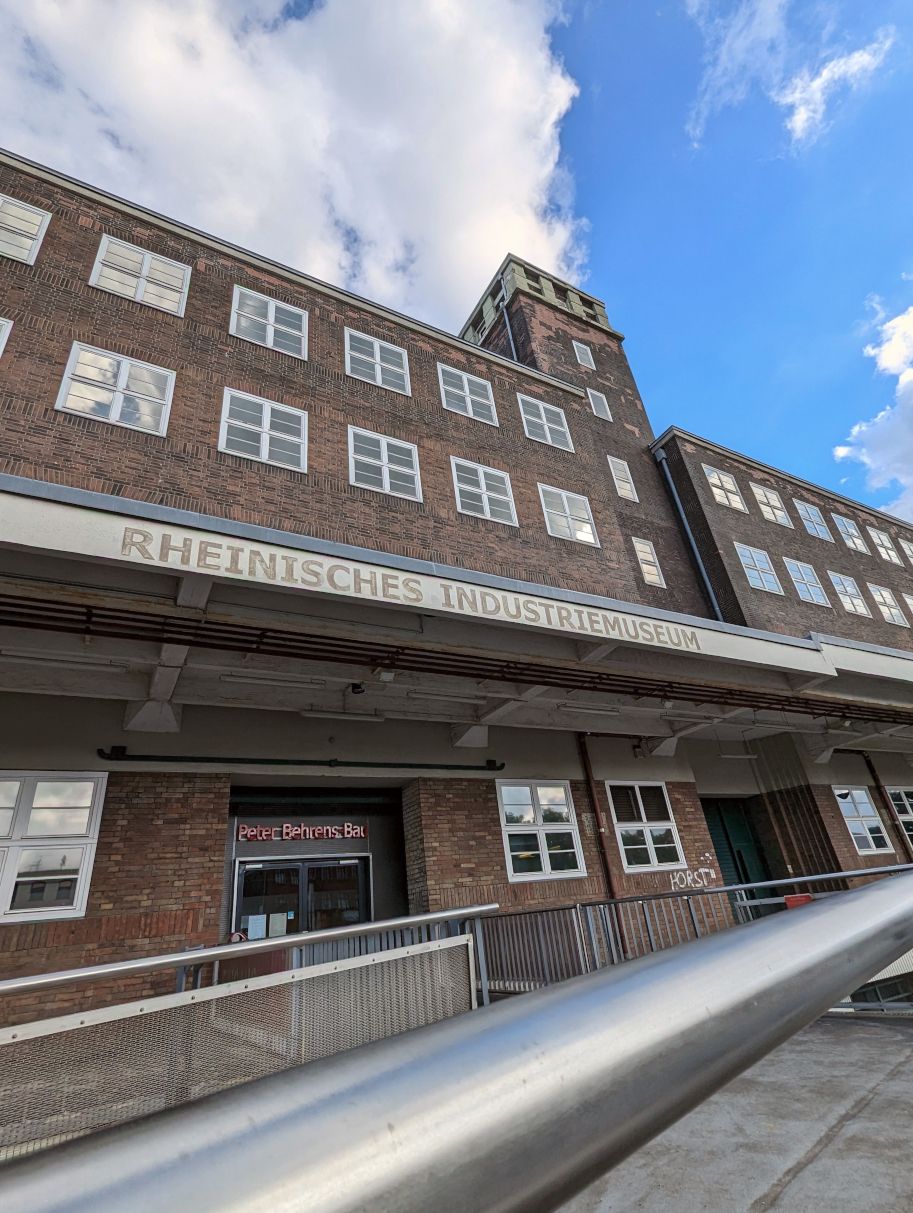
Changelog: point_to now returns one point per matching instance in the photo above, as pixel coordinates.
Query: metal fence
(529, 949)
(61, 1078)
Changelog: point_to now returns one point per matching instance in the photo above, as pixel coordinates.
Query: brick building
(312, 613)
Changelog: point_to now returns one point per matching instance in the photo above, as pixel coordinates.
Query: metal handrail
(234, 951)
(515, 1108)
(704, 890)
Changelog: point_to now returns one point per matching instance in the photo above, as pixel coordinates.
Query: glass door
(335, 894)
(269, 900)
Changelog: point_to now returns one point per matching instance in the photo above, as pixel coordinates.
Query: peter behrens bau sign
(52, 526)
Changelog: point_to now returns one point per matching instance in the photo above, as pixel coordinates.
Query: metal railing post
(481, 960)
(650, 936)
(697, 929)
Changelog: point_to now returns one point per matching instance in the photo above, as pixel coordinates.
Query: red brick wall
(51, 305)
(156, 887)
(459, 858)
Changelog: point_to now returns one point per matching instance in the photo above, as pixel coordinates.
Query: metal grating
(63, 1078)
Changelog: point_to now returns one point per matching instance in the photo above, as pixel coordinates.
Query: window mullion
(143, 277)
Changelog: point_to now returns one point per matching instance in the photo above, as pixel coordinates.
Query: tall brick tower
(550, 325)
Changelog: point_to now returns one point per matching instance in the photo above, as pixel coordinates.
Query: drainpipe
(510, 331)
(584, 752)
(660, 457)
(886, 801)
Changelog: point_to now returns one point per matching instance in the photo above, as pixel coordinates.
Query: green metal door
(740, 855)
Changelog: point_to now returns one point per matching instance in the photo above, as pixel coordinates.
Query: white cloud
(397, 148)
(806, 96)
(884, 444)
(743, 49)
(749, 46)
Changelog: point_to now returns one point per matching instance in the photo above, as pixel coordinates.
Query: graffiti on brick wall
(694, 878)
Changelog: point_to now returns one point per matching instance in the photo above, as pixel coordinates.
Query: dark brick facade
(157, 887)
(716, 528)
(52, 305)
(456, 854)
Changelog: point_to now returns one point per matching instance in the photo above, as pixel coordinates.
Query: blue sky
(733, 177)
(740, 268)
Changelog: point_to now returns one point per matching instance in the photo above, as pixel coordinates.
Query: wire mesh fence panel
(63, 1078)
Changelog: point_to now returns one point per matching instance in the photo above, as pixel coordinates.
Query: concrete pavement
(823, 1123)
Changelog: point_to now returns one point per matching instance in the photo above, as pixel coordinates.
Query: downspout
(587, 765)
(510, 331)
(886, 800)
(660, 457)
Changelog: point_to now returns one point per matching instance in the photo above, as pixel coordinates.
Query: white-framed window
(377, 361)
(862, 820)
(466, 394)
(813, 519)
(6, 327)
(568, 515)
(771, 505)
(48, 831)
(545, 422)
(264, 430)
(137, 274)
(269, 322)
(902, 800)
(599, 404)
(22, 229)
(483, 491)
(384, 464)
(539, 828)
(624, 481)
(905, 544)
(724, 488)
(584, 355)
(883, 545)
(110, 387)
(908, 599)
(649, 565)
(644, 826)
(849, 594)
(887, 604)
(805, 579)
(758, 569)
(850, 533)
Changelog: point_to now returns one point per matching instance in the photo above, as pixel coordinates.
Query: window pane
(517, 805)
(6, 822)
(63, 794)
(147, 382)
(253, 330)
(144, 414)
(289, 318)
(625, 803)
(51, 823)
(393, 379)
(242, 441)
(288, 343)
(44, 894)
(87, 398)
(9, 790)
(635, 849)
(562, 856)
(49, 861)
(524, 853)
(99, 368)
(242, 409)
(667, 854)
(654, 802)
(367, 474)
(553, 803)
(253, 305)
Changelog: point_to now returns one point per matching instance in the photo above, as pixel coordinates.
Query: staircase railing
(513, 1109)
(528, 949)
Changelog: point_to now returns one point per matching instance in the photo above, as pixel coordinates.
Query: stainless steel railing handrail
(233, 951)
(704, 890)
(515, 1108)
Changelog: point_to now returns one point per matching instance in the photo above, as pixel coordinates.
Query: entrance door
(285, 897)
(740, 855)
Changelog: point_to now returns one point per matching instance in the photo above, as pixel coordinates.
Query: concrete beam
(470, 736)
(194, 590)
(152, 716)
